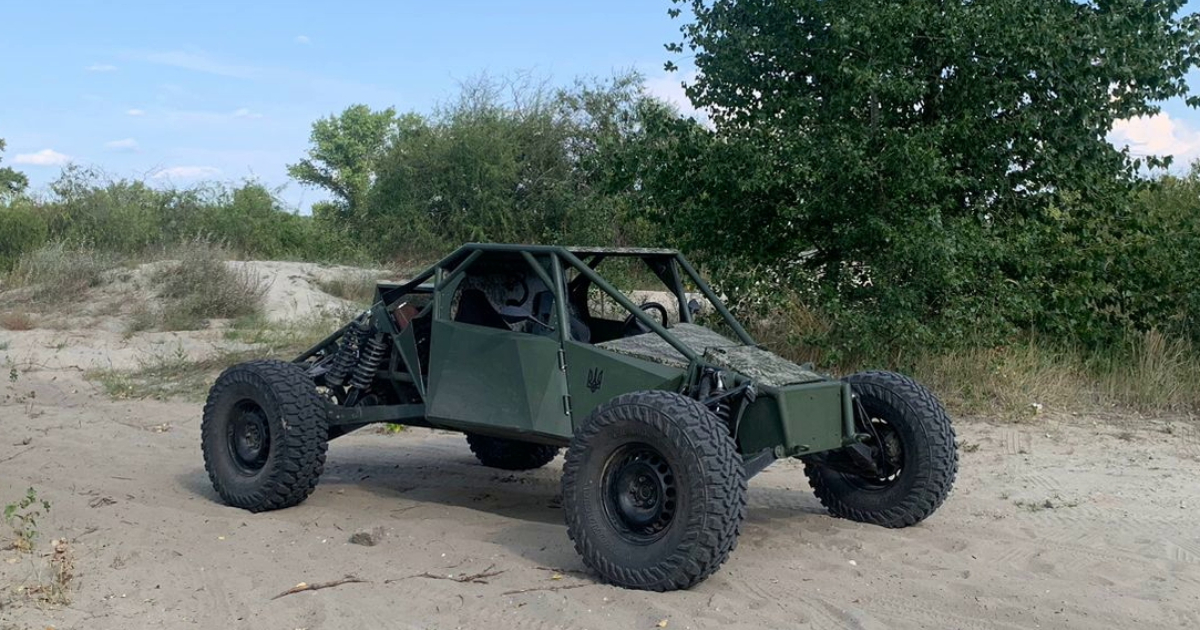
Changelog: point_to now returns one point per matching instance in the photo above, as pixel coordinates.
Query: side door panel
(596, 375)
(506, 380)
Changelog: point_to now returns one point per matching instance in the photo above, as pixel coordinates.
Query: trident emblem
(595, 378)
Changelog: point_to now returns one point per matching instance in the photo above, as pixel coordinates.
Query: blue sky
(178, 92)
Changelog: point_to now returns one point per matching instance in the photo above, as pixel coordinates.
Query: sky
(180, 92)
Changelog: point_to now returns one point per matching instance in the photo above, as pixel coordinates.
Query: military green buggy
(529, 349)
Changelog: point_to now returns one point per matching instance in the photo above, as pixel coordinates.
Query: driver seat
(543, 310)
(475, 308)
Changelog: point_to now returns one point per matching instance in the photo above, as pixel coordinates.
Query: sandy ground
(1056, 523)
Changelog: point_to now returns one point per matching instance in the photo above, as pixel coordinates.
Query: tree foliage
(12, 182)
(931, 171)
(344, 154)
(85, 208)
(507, 160)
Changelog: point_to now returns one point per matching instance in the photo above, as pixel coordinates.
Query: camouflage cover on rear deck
(761, 365)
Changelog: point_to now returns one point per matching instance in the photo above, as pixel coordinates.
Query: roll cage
(668, 265)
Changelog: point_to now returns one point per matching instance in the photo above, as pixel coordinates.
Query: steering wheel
(634, 326)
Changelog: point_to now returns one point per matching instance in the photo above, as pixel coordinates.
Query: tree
(509, 159)
(344, 155)
(12, 182)
(921, 151)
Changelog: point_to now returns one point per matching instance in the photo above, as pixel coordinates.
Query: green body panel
(801, 419)
(483, 376)
(541, 384)
(596, 375)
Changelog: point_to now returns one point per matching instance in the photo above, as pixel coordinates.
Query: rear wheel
(510, 454)
(264, 435)
(913, 443)
(654, 492)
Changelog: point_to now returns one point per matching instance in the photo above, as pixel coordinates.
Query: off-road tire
(294, 416)
(495, 452)
(709, 484)
(930, 457)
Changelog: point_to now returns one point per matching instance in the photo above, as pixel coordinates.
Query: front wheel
(911, 436)
(653, 491)
(264, 435)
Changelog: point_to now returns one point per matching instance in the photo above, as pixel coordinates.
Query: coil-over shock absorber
(712, 392)
(728, 404)
(369, 359)
(347, 354)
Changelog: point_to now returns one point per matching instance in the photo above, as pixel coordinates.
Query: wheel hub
(640, 493)
(249, 437)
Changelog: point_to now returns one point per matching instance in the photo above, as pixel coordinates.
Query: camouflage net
(761, 365)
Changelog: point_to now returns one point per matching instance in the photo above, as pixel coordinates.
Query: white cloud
(45, 157)
(136, 112)
(101, 67)
(1157, 135)
(669, 88)
(245, 113)
(187, 172)
(303, 39)
(197, 62)
(127, 144)
(207, 117)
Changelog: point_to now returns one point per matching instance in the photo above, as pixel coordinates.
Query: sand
(1058, 522)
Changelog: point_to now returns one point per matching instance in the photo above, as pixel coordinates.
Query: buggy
(665, 404)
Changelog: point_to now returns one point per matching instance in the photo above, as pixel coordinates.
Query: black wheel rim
(249, 437)
(639, 493)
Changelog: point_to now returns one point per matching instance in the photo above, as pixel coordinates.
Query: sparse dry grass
(50, 574)
(200, 286)
(17, 320)
(169, 375)
(58, 271)
(174, 373)
(353, 286)
(49, 580)
(1017, 382)
(142, 317)
(1150, 373)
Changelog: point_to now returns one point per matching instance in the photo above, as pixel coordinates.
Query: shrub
(22, 228)
(58, 270)
(354, 286)
(17, 320)
(201, 285)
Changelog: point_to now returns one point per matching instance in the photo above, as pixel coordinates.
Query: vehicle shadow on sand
(403, 476)
(406, 480)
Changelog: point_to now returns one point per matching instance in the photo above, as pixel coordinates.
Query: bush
(111, 215)
(17, 320)
(132, 218)
(201, 285)
(60, 271)
(22, 228)
(354, 286)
